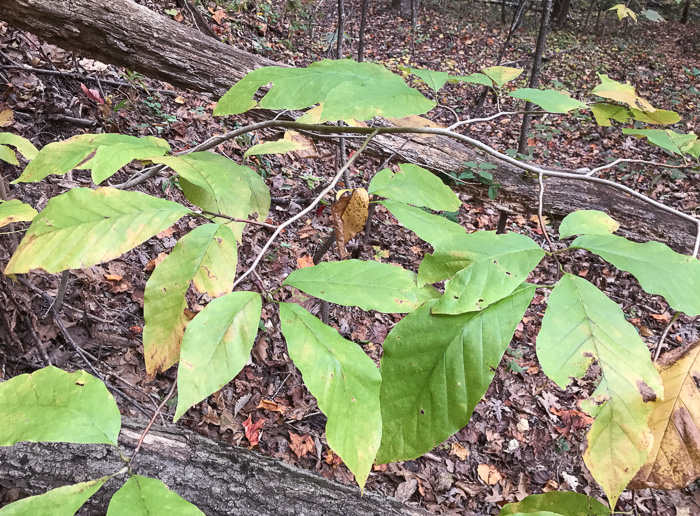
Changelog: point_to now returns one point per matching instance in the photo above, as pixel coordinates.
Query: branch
(625, 160)
(306, 210)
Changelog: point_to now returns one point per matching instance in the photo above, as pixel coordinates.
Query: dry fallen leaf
(489, 474)
(459, 451)
(300, 445)
(349, 216)
(253, 430)
(271, 406)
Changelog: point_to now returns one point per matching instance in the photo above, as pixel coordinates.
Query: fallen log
(126, 34)
(222, 480)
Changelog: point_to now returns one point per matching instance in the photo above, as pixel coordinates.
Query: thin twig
(493, 117)
(306, 210)
(540, 206)
(660, 344)
(150, 423)
(626, 160)
(39, 344)
(58, 300)
(234, 219)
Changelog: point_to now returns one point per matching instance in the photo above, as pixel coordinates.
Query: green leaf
(435, 80)
(62, 501)
(659, 269)
(502, 74)
(414, 185)
(454, 255)
(658, 116)
(625, 93)
(347, 90)
(24, 146)
(436, 368)
(15, 211)
(8, 155)
(474, 78)
(565, 503)
(549, 100)
(498, 264)
(581, 325)
(104, 154)
(674, 142)
(55, 406)
(216, 346)
(207, 257)
(83, 227)
(652, 15)
(220, 185)
(368, 284)
(428, 227)
(587, 222)
(276, 147)
(143, 496)
(344, 381)
(604, 112)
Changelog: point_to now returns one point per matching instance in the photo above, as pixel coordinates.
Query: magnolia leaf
(604, 112)
(23, 146)
(549, 100)
(55, 406)
(292, 141)
(104, 154)
(623, 12)
(369, 285)
(435, 80)
(436, 368)
(349, 216)
(652, 15)
(62, 501)
(491, 266)
(581, 325)
(8, 155)
(565, 503)
(428, 227)
(348, 90)
(15, 211)
(216, 346)
(502, 74)
(625, 93)
(220, 185)
(658, 268)
(658, 116)
(414, 185)
(674, 461)
(344, 381)
(84, 227)
(474, 78)
(675, 143)
(207, 256)
(144, 496)
(587, 222)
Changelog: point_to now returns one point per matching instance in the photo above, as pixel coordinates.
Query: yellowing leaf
(502, 74)
(15, 211)
(625, 93)
(349, 216)
(674, 461)
(623, 12)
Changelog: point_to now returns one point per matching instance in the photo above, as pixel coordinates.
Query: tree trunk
(123, 33)
(403, 6)
(561, 11)
(220, 479)
(686, 11)
(363, 27)
(535, 75)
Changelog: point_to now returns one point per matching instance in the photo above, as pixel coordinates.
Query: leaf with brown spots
(349, 216)
(301, 445)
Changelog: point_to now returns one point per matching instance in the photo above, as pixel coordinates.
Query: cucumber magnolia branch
(120, 32)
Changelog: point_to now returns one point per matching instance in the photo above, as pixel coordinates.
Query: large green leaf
(216, 346)
(368, 284)
(675, 143)
(473, 78)
(56, 406)
(104, 154)
(24, 146)
(344, 381)
(83, 227)
(604, 112)
(144, 496)
(565, 503)
(414, 185)
(581, 325)
(220, 185)
(15, 211)
(549, 100)
(435, 80)
(436, 368)
(347, 90)
(8, 155)
(587, 222)
(62, 501)
(428, 227)
(207, 257)
(659, 269)
(275, 147)
(489, 266)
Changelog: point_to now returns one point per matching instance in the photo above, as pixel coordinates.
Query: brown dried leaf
(674, 461)
(349, 216)
(459, 451)
(300, 445)
(489, 474)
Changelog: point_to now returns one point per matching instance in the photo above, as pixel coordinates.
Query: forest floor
(527, 435)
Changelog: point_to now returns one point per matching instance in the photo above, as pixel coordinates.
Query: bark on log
(220, 479)
(126, 34)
